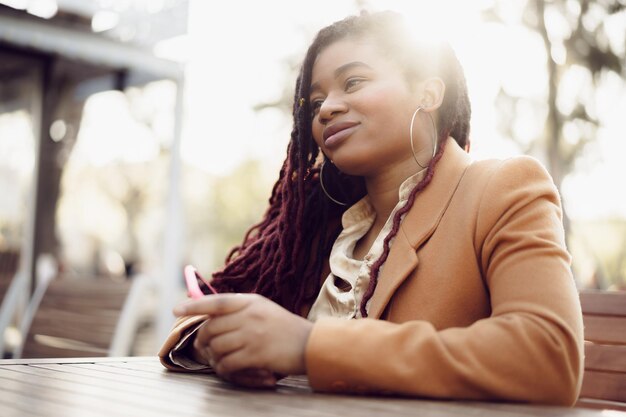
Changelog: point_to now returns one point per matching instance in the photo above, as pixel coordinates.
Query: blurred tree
(284, 101)
(239, 201)
(135, 188)
(221, 209)
(130, 182)
(600, 246)
(576, 38)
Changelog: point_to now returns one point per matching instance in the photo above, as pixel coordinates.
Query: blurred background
(137, 136)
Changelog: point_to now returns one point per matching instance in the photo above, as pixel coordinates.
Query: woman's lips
(337, 132)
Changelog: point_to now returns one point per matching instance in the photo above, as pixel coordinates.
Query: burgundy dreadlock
(282, 257)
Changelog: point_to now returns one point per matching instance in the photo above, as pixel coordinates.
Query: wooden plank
(612, 303)
(601, 405)
(7, 410)
(207, 389)
(116, 391)
(89, 337)
(610, 358)
(53, 327)
(97, 335)
(8, 268)
(4, 288)
(604, 386)
(22, 400)
(605, 359)
(75, 313)
(45, 346)
(150, 365)
(76, 317)
(153, 372)
(299, 385)
(605, 329)
(81, 299)
(121, 359)
(147, 385)
(59, 393)
(36, 350)
(8, 263)
(213, 396)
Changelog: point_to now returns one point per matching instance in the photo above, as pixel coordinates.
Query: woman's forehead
(346, 51)
(346, 46)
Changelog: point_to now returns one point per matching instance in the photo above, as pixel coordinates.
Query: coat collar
(419, 224)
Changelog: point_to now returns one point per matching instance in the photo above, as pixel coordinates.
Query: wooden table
(141, 387)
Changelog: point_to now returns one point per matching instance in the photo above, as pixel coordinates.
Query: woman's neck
(383, 190)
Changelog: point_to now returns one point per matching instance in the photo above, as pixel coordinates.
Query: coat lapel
(419, 224)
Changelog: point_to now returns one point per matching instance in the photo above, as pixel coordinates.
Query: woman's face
(362, 107)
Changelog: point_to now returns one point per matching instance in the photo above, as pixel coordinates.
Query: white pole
(28, 243)
(172, 239)
(24, 276)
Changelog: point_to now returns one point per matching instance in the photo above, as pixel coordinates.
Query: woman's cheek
(317, 131)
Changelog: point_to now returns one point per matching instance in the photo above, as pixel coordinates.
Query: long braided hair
(282, 256)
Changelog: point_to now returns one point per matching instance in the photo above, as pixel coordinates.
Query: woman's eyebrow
(349, 66)
(339, 71)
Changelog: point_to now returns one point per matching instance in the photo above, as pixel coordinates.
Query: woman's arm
(530, 349)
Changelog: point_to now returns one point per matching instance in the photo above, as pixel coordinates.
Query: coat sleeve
(531, 347)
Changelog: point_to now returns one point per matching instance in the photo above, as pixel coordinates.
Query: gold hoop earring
(324, 188)
(434, 136)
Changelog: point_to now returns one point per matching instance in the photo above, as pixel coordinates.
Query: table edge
(26, 361)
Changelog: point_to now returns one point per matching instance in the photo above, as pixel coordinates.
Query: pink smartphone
(191, 279)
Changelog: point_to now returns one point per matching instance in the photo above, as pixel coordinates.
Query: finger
(201, 338)
(237, 361)
(225, 324)
(225, 344)
(219, 325)
(200, 351)
(214, 305)
(222, 326)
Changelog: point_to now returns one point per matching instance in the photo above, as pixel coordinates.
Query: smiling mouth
(335, 133)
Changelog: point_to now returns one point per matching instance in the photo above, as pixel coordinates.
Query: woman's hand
(253, 378)
(248, 333)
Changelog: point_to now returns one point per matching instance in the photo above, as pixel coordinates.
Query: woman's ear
(433, 91)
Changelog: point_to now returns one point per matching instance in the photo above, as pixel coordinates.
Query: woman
(456, 271)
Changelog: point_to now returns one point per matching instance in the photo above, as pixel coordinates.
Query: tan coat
(476, 298)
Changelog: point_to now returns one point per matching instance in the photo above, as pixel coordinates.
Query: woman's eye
(315, 106)
(352, 82)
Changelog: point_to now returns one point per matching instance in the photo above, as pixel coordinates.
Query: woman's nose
(331, 107)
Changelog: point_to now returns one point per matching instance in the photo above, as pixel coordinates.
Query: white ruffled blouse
(343, 289)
